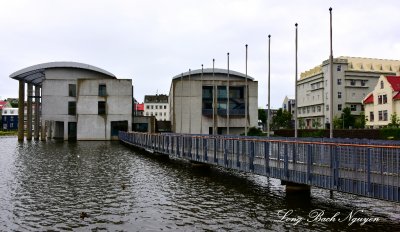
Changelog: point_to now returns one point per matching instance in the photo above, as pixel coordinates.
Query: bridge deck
(363, 167)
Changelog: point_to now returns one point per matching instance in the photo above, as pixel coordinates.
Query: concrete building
(157, 105)
(198, 102)
(353, 79)
(79, 101)
(9, 118)
(138, 109)
(382, 102)
(289, 104)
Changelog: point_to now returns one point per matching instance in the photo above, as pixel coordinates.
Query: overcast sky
(151, 41)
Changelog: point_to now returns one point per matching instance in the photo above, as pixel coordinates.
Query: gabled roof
(394, 82)
(397, 96)
(369, 99)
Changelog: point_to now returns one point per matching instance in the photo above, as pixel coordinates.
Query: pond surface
(47, 185)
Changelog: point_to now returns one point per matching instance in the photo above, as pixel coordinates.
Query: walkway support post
(29, 112)
(37, 113)
(21, 114)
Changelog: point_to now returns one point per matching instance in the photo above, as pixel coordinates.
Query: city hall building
(200, 103)
(78, 101)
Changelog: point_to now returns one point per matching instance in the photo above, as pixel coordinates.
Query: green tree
(253, 131)
(337, 123)
(348, 118)
(282, 119)
(262, 115)
(394, 121)
(360, 121)
(302, 123)
(316, 123)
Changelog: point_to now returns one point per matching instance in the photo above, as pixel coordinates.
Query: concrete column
(43, 131)
(29, 113)
(37, 113)
(21, 100)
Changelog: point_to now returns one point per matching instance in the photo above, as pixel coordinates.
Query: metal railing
(364, 167)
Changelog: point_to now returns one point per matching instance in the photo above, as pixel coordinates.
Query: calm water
(46, 186)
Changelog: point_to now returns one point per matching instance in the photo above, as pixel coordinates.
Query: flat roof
(35, 74)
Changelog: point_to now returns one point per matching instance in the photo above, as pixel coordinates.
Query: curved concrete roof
(216, 71)
(35, 74)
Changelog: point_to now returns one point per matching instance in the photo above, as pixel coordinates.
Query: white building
(79, 101)
(289, 104)
(158, 106)
(382, 102)
(198, 102)
(353, 79)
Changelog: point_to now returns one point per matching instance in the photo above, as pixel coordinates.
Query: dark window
(101, 107)
(339, 107)
(72, 90)
(382, 85)
(363, 82)
(371, 116)
(222, 92)
(339, 81)
(385, 115)
(379, 99)
(339, 94)
(72, 108)
(353, 107)
(165, 107)
(380, 114)
(352, 82)
(102, 90)
(384, 99)
(339, 67)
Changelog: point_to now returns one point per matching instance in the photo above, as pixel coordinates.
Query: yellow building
(382, 102)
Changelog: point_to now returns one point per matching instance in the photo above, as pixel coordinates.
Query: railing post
(251, 156)
(215, 150)
(369, 172)
(197, 148)
(225, 153)
(309, 163)
(286, 161)
(266, 158)
(238, 155)
(205, 149)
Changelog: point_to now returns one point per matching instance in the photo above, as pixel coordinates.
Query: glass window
(352, 82)
(147, 107)
(327, 107)
(102, 90)
(156, 106)
(165, 107)
(379, 99)
(101, 106)
(382, 85)
(363, 82)
(151, 107)
(72, 90)
(385, 115)
(222, 92)
(384, 99)
(339, 94)
(72, 108)
(207, 91)
(380, 114)
(339, 67)
(339, 81)
(339, 107)
(371, 116)
(353, 107)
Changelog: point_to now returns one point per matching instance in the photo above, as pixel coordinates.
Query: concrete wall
(91, 125)
(186, 98)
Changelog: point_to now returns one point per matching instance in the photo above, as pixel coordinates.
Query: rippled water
(46, 186)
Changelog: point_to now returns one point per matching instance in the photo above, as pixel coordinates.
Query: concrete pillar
(29, 113)
(21, 114)
(37, 113)
(43, 131)
(296, 188)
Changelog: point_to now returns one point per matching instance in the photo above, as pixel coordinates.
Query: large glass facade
(236, 100)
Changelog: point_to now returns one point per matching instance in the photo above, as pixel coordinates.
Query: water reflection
(46, 186)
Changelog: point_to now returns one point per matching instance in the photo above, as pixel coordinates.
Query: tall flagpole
(181, 100)
(245, 100)
(213, 98)
(269, 86)
(227, 95)
(190, 103)
(295, 89)
(201, 94)
(331, 79)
